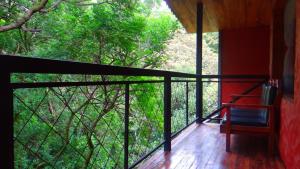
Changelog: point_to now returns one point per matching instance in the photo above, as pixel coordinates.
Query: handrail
(19, 64)
(19, 85)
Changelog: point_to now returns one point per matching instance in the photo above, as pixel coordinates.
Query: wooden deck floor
(203, 147)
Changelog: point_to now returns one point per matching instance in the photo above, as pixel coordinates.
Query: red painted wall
(289, 140)
(247, 52)
(243, 51)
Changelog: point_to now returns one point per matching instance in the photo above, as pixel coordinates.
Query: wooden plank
(223, 14)
(204, 147)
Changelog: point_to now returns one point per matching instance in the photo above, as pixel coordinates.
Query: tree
(17, 12)
(74, 126)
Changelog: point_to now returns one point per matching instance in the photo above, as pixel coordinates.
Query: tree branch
(30, 30)
(55, 5)
(96, 3)
(18, 23)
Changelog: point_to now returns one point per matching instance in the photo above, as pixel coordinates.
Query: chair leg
(227, 142)
(271, 144)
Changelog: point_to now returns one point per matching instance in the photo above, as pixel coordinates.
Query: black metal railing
(120, 133)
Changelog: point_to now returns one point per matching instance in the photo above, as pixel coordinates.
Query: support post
(220, 70)
(6, 121)
(187, 103)
(167, 113)
(277, 43)
(199, 87)
(126, 123)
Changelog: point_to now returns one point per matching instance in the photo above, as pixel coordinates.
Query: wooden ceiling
(223, 14)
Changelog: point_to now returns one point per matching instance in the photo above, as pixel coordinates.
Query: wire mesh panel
(146, 120)
(192, 101)
(210, 97)
(69, 127)
(84, 126)
(178, 106)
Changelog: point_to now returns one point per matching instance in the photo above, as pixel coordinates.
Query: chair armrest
(227, 106)
(240, 95)
(248, 105)
(270, 109)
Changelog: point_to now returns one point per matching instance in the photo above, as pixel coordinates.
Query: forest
(83, 126)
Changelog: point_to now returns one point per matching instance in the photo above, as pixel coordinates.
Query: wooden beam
(199, 87)
(167, 113)
(6, 121)
(220, 69)
(277, 46)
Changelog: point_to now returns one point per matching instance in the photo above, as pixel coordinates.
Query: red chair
(251, 119)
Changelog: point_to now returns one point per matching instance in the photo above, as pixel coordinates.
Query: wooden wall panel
(289, 142)
(244, 51)
(223, 14)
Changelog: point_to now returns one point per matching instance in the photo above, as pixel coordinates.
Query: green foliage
(212, 40)
(82, 127)
(117, 33)
(151, 3)
(210, 67)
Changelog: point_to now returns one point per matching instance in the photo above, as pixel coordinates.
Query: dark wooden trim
(91, 83)
(186, 103)
(6, 122)
(220, 68)
(167, 113)
(126, 126)
(68, 84)
(199, 84)
(17, 64)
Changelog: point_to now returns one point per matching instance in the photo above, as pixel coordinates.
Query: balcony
(89, 137)
(100, 116)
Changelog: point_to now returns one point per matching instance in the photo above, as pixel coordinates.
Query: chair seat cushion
(248, 117)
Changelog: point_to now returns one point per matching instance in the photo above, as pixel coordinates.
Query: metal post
(220, 71)
(126, 126)
(186, 103)
(6, 121)
(199, 87)
(167, 113)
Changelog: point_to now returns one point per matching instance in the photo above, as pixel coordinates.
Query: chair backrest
(264, 94)
(267, 98)
(268, 94)
(272, 95)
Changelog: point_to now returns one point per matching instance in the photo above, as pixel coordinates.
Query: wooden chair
(251, 119)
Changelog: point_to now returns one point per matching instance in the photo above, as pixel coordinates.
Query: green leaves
(122, 32)
(118, 33)
(2, 22)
